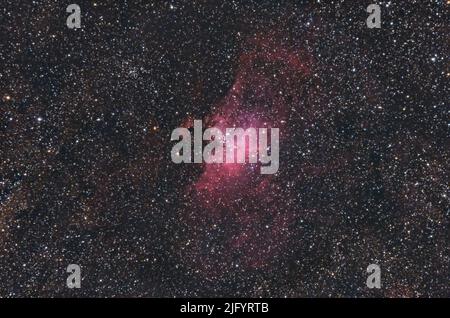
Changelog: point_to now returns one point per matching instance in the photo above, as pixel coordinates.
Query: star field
(86, 175)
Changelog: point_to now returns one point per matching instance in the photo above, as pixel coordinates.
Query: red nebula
(236, 198)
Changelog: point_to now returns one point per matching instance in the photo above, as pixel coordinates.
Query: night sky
(86, 175)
